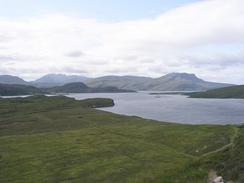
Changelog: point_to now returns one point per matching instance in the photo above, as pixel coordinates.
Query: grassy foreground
(58, 139)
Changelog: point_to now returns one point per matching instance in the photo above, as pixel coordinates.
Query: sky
(130, 37)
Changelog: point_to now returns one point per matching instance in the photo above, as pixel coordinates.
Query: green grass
(58, 139)
(230, 162)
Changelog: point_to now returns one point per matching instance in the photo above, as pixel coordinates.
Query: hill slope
(58, 139)
(82, 88)
(227, 92)
(169, 82)
(12, 89)
(52, 80)
(8, 79)
(122, 82)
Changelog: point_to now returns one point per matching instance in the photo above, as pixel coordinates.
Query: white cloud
(151, 47)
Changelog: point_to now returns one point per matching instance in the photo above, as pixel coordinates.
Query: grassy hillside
(227, 92)
(231, 160)
(58, 139)
(13, 89)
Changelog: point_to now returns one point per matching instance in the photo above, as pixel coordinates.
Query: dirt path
(212, 174)
(236, 132)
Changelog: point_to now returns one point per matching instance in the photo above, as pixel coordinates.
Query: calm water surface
(174, 108)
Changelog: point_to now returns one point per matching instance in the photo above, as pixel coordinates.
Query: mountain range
(169, 82)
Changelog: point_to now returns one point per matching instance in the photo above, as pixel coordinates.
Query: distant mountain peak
(183, 76)
(180, 74)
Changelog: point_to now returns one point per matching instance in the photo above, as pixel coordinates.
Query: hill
(52, 80)
(227, 92)
(122, 82)
(82, 88)
(169, 82)
(183, 82)
(8, 79)
(13, 89)
(59, 139)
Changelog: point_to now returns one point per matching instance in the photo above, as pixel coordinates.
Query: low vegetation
(59, 139)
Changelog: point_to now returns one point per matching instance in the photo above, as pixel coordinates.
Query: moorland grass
(59, 139)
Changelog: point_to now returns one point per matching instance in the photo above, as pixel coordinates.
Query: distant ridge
(8, 79)
(51, 80)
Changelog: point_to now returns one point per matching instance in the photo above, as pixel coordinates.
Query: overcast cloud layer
(205, 38)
